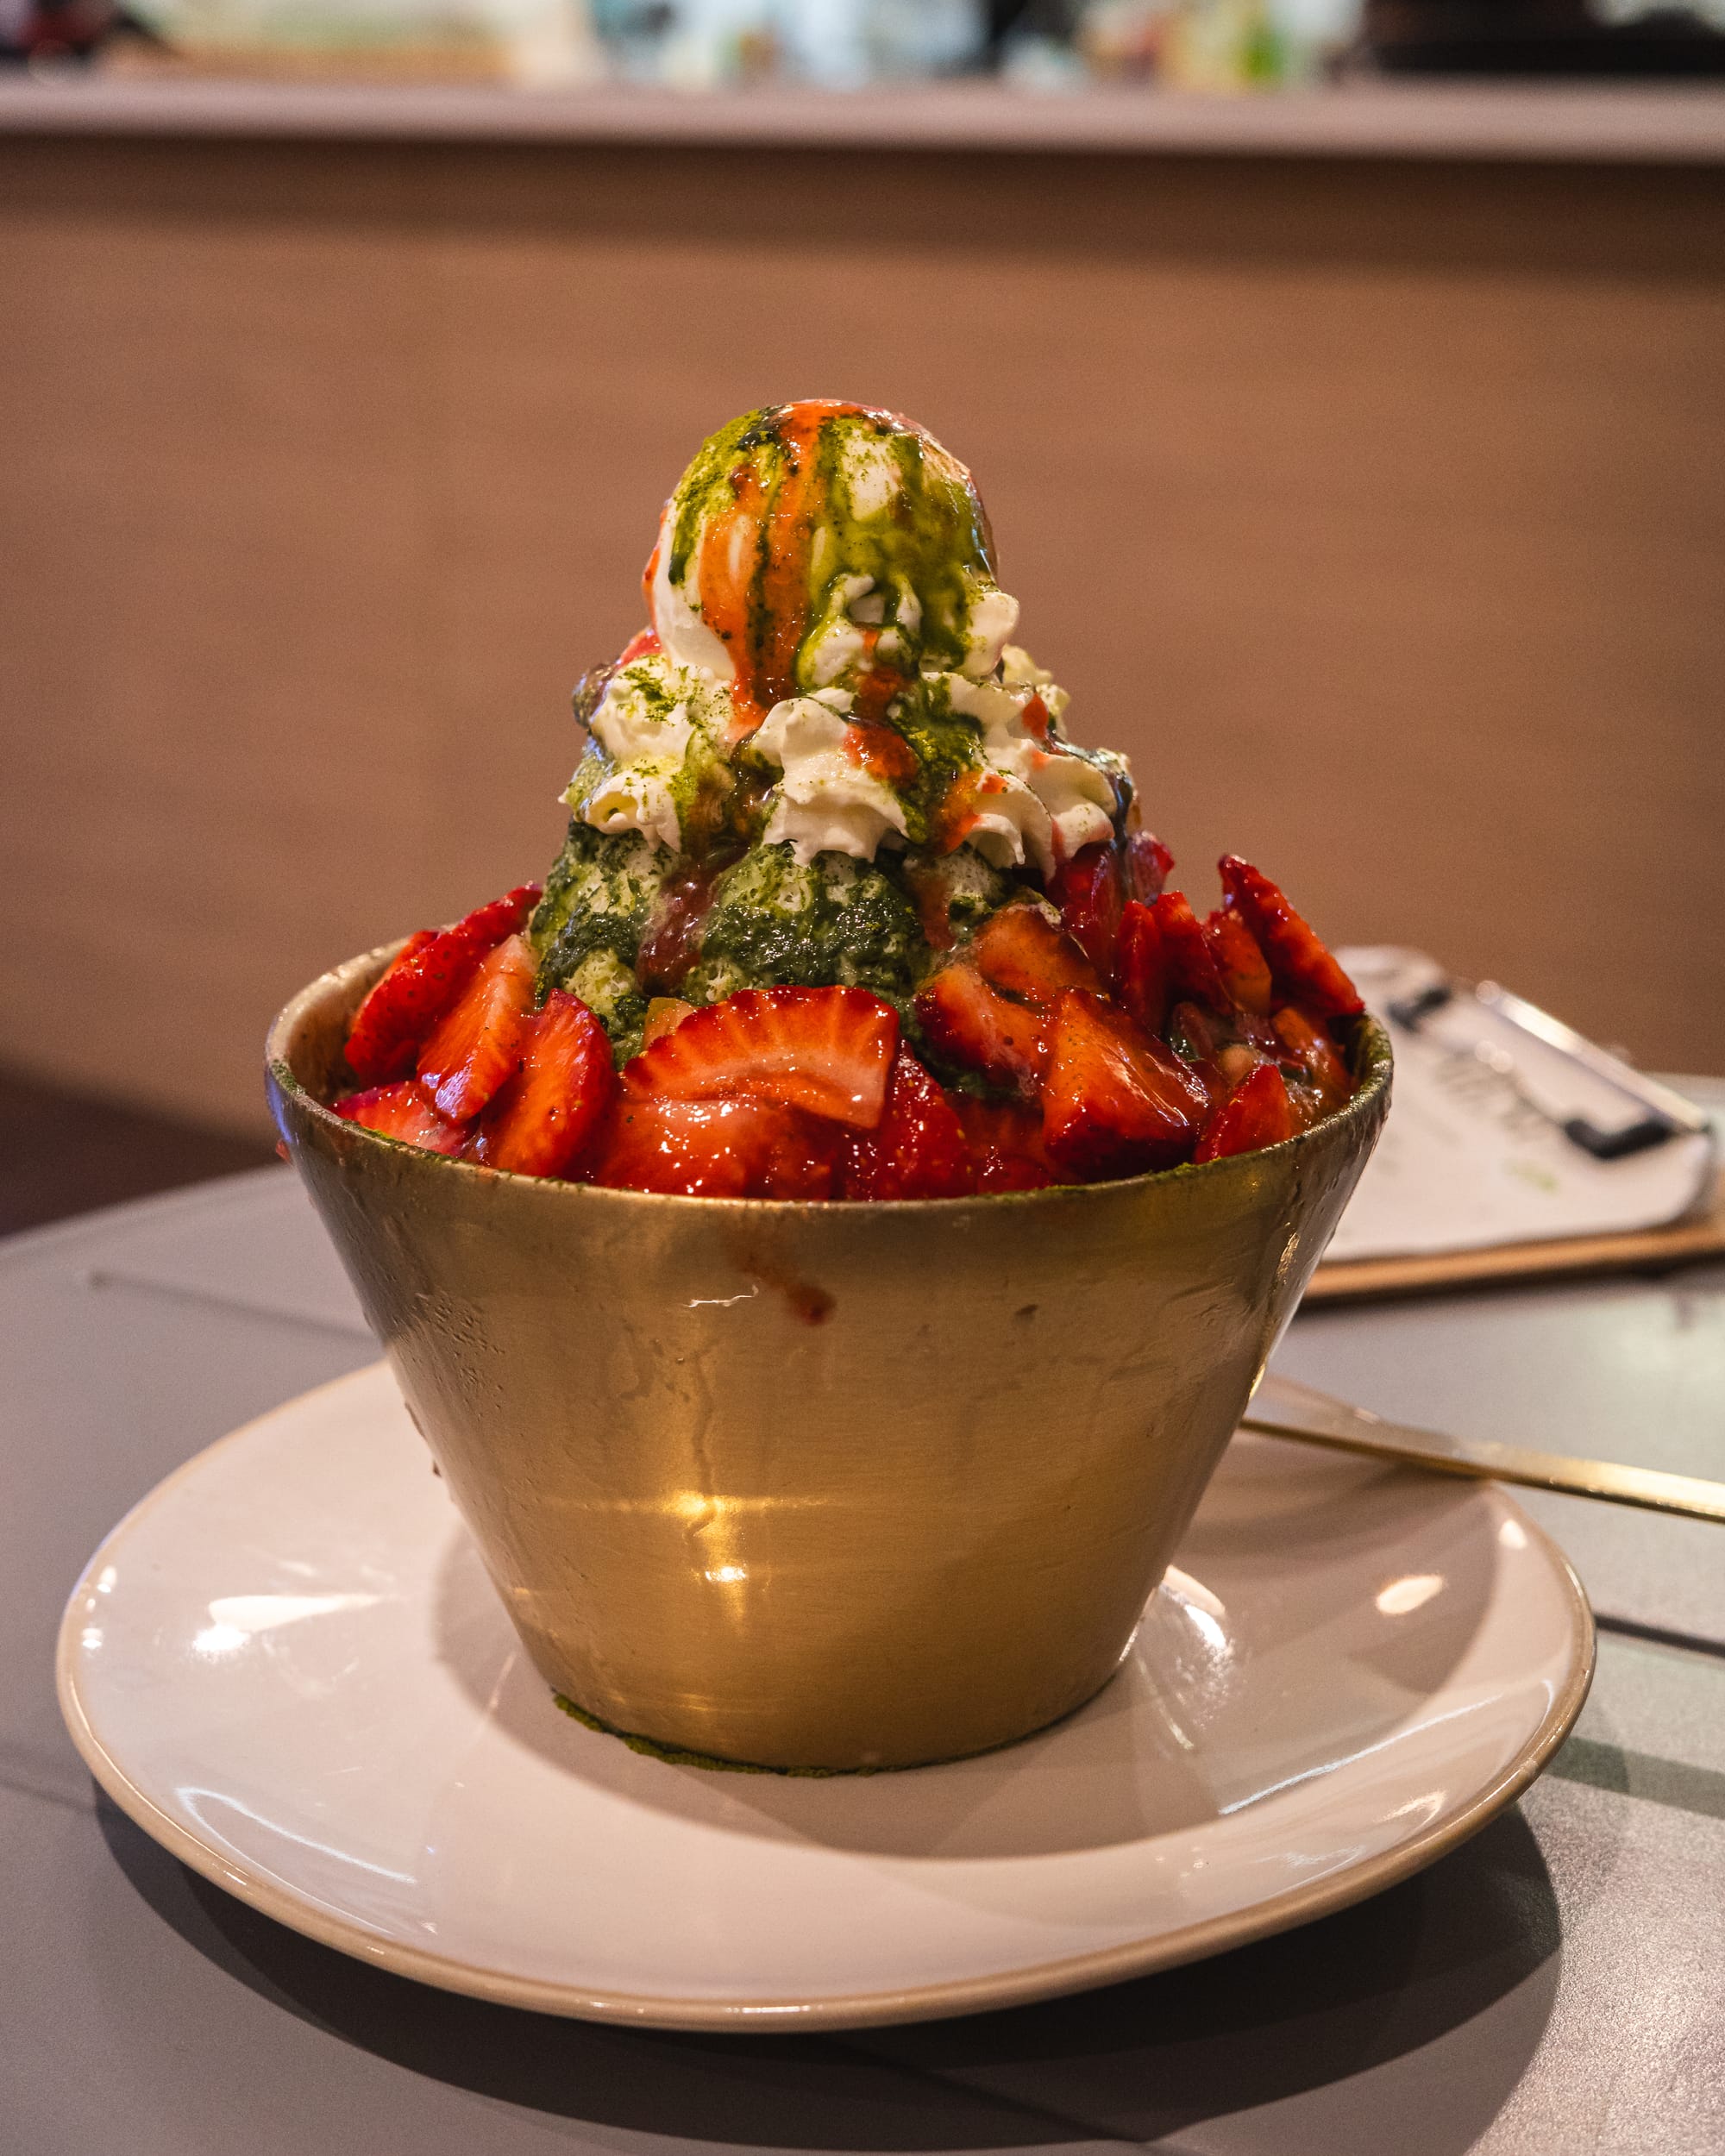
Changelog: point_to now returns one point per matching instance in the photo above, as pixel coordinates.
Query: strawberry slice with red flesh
(1240, 964)
(385, 1034)
(826, 1051)
(716, 1149)
(1148, 865)
(1115, 1102)
(1089, 890)
(1201, 1038)
(916, 1151)
(1006, 1145)
(427, 974)
(1192, 973)
(403, 1111)
(1306, 1045)
(972, 1025)
(1142, 967)
(1299, 962)
(546, 1117)
(1258, 1112)
(1020, 950)
(478, 1046)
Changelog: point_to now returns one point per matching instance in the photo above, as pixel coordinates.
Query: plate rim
(942, 2001)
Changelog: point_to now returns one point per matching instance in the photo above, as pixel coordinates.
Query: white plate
(287, 1665)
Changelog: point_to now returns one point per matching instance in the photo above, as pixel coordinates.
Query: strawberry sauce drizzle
(881, 751)
(671, 943)
(754, 565)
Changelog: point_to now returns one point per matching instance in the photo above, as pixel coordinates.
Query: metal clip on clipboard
(1664, 1115)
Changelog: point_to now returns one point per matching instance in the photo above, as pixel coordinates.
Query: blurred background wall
(1378, 510)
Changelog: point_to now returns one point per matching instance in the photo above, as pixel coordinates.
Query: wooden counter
(1373, 497)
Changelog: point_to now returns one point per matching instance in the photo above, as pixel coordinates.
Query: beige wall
(1379, 513)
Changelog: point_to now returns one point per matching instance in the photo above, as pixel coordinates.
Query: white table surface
(1557, 1985)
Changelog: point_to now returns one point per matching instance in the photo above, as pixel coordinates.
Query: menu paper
(1473, 1156)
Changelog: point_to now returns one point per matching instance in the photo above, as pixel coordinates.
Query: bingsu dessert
(844, 911)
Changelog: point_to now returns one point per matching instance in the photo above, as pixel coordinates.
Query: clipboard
(1515, 1152)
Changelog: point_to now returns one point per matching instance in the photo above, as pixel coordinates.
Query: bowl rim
(1367, 1103)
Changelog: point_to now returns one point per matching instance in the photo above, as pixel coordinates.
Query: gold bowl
(819, 1486)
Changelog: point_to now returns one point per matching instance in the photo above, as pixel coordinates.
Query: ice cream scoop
(820, 545)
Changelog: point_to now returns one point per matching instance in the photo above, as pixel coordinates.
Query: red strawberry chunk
(1021, 951)
(1301, 965)
(1257, 1113)
(1201, 1039)
(487, 925)
(478, 1046)
(1192, 973)
(1148, 863)
(1115, 1102)
(1006, 1145)
(1142, 967)
(1304, 1043)
(427, 974)
(1240, 964)
(546, 1116)
(826, 1051)
(716, 1149)
(1089, 890)
(386, 1030)
(403, 1111)
(916, 1151)
(966, 1020)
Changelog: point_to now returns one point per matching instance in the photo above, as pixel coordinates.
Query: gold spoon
(1280, 1409)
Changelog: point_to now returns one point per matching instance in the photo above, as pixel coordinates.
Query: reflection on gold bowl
(828, 1486)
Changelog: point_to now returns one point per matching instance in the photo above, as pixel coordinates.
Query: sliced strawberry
(968, 1022)
(1240, 965)
(1302, 967)
(478, 1046)
(1148, 863)
(664, 1015)
(828, 1051)
(545, 1117)
(1089, 890)
(424, 978)
(1006, 1145)
(488, 924)
(403, 1111)
(1192, 973)
(916, 1151)
(1200, 1037)
(1306, 1045)
(1021, 951)
(640, 645)
(384, 1035)
(1115, 1101)
(1142, 967)
(1257, 1113)
(716, 1149)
